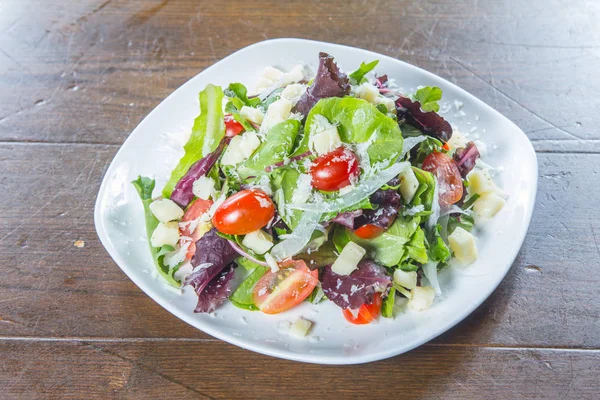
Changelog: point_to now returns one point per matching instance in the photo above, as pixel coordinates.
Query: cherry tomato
(244, 212)
(232, 127)
(450, 186)
(366, 313)
(334, 170)
(286, 288)
(369, 231)
(194, 211)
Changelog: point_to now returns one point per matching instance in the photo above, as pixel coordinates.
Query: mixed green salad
(327, 187)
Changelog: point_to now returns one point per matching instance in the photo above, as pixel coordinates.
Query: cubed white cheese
(166, 210)
(293, 92)
(408, 185)
(165, 234)
(325, 141)
(273, 74)
(457, 140)
(348, 259)
(463, 245)
(480, 182)
(407, 279)
(488, 205)
(258, 241)
(387, 102)
(300, 327)
(271, 262)
(367, 92)
(252, 114)
(240, 148)
(277, 112)
(421, 298)
(296, 74)
(204, 187)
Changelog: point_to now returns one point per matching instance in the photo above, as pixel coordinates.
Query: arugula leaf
(276, 147)
(357, 77)
(207, 132)
(357, 121)
(429, 96)
(237, 91)
(242, 296)
(387, 308)
(145, 187)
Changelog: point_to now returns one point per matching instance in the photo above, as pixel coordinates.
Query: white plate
(154, 148)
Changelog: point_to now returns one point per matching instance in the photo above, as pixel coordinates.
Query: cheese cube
(407, 279)
(325, 141)
(421, 298)
(166, 210)
(457, 140)
(296, 74)
(252, 114)
(367, 92)
(488, 205)
(250, 142)
(293, 92)
(300, 327)
(273, 74)
(204, 187)
(387, 102)
(408, 185)
(258, 241)
(277, 112)
(480, 182)
(463, 245)
(240, 148)
(165, 234)
(348, 259)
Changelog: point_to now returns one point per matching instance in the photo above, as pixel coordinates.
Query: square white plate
(154, 148)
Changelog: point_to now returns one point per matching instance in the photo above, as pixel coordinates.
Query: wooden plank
(98, 370)
(90, 73)
(52, 288)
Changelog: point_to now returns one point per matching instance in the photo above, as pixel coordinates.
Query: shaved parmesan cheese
(176, 257)
(430, 271)
(409, 143)
(166, 210)
(204, 187)
(252, 114)
(303, 189)
(299, 238)
(435, 207)
(165, 234)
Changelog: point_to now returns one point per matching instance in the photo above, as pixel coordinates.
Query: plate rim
(104, 237)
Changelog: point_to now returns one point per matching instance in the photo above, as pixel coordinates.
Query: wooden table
(77, 77)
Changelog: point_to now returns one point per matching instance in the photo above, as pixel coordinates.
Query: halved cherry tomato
(366, 313)
(194, 211)
(244, 212)
(232, 127)
(334, 170)
(450, 186)
(369, 231)
(286, 288)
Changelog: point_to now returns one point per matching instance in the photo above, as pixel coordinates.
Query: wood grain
(77, 77)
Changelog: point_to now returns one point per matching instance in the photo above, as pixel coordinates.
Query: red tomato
(232, 127)
(450, 186)
(286, 288)
(194, 211)
(369, 231)
(244, 212)
(334, 170)
(366, 313)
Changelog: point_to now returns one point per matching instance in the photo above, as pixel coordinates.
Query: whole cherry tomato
(334, 170)
(244, 212)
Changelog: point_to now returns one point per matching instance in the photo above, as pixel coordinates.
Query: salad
(319, 187)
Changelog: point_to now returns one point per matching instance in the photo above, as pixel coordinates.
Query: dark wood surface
(77, 77)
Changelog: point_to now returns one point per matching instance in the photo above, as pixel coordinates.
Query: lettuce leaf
(242, 296)
(429, 96)
(426, 189)
(416, 249)
(276, 147)
(438, 251)
(387, 308)
(358, 76)
(207, 132)
(144, 187)
(238, 95)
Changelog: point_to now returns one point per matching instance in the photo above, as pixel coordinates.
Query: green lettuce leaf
(416, 248)
(276, 147)
(144, 187)
(357, 121)
(387, 308)
(284, 183)
(438, 251)
(425, 191)
(429, 96)
(207, 132)
(242, 296)
(357, 77)
(238, 95)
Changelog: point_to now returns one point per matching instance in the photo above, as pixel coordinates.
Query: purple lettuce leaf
(216, 291)
(358, 288)
(465, 158)
(347, 218)
(213, 254)
(430, 123)
(182, 194)
(388, 203)
(329, 82)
